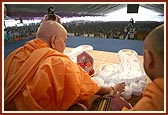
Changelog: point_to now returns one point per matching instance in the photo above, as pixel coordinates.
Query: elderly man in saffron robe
(38, 76)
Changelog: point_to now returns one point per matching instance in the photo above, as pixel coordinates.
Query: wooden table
(104, 57)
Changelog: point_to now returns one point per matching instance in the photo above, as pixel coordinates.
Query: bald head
(154, 53)
(154, 42)
(49, 28)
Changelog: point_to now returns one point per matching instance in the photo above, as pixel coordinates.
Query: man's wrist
(113, 91)
(113, 88)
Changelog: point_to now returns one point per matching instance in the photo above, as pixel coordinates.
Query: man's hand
(120, 87)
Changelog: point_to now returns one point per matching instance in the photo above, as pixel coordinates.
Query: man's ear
(148, 59)
(52, 41)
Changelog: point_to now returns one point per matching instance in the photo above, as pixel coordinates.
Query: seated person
(39, 77)
(153, 96)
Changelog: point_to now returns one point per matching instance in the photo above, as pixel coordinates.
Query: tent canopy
(27, 11)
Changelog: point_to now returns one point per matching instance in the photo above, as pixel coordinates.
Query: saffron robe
(55, 83)
(153, 97)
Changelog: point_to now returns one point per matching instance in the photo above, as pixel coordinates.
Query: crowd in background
(113, 30)
(22, 32)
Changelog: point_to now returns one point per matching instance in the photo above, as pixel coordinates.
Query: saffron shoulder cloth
(24, 73)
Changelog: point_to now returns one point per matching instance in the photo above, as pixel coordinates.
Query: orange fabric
(24, 74)
(56, 84)
(153, 97)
